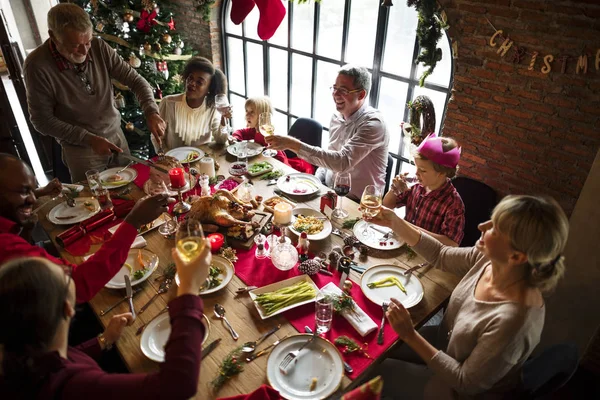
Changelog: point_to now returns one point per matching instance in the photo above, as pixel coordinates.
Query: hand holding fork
(384, 306)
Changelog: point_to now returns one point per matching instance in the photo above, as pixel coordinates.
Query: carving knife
(129, 294)
(208, 349)
(140, 161)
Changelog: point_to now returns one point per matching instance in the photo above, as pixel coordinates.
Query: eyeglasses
(342, 91)
(86, 82)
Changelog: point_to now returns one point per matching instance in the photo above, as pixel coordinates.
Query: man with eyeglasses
(358, 138)
(70, 93)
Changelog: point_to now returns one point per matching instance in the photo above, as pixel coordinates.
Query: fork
(384, 306)
(408, 273)
(293, 355)
(265, 350)
(163, 288)
(125, 167)
(161, 152)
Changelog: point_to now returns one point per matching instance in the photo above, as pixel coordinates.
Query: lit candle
(177, 177)
(216, 241)
(282, 213)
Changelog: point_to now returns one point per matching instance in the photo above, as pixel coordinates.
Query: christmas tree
(143, 32)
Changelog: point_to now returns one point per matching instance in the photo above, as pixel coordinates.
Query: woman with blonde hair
(496, 312)
(254, 107)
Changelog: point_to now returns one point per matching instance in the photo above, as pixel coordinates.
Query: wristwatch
(104, 344)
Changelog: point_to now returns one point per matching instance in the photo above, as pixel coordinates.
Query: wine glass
(341, 186)
(190, 239)
(222, 106)
(370, 204)
(267, 129)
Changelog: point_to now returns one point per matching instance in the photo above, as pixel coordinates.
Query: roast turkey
(222, 208)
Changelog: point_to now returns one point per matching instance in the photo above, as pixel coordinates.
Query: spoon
(220, 313)
(249, 347)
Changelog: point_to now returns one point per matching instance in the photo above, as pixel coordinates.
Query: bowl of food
(238, 168)
(315, 224)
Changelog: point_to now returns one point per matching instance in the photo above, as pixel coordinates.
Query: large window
(299, 64)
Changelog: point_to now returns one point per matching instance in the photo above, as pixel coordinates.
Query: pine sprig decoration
(342, 302)
(349, 223)
(350, 346)
(203, 7)
(410, 253)
(230, 367)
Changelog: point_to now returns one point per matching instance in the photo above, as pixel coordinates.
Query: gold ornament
(178, 79)
(167, 38)
(148, 4)
(157, 46)
(347, 286)
(129, 127)
(134, 61)
(128, 17)
(147, 46)
(119, 101)
(99, 26)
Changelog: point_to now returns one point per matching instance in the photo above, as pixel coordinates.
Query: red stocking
(271, 15)
(240, 9)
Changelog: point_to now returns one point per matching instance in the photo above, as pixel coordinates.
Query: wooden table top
(241, 312)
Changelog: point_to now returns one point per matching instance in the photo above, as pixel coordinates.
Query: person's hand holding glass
(267, 129)
(223, 107)
(341, 186)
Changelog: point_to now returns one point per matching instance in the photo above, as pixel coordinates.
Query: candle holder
(181, 207)
(284, 255)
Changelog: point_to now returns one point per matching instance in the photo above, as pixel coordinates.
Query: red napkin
(368, 391)
(264, 392)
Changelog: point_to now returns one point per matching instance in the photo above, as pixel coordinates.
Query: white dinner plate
(190, 184)
(252, 149)
(227, 272)
(157, 333)
(299, 184)
(413, 286)
(181, 153)
(373, 236)
(309, 212)
(151, 260)
(128, 175)
(62, 214)
(279, 285)
(319, 360)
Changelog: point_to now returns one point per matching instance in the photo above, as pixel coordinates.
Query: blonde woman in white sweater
(496, 313)
(191, 117)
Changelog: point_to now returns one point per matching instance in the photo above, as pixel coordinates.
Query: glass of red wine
(341, 186)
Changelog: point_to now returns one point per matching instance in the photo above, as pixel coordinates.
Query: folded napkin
(357, 318)
(138, 243)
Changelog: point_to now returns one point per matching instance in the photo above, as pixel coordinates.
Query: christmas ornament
(142, 50)
(147, 21)
(119, 101)
(334, 258)
(147, 47)
(129, 127)
(309, 267)
(99, 26)
(178, 79)
(134, 61)
(180, 44)
(162, 67)
(240, 9)
(347, 286)
(157, 46)
(350, 346)
(228, 253)
(421, 105)
(171, 24)
(177, 51)
(351, 240)
(167, 38)
(158, 93)
(148, 4)
(128, 17)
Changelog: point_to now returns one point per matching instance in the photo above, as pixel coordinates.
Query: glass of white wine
(267, 129)
(370, 204)
(222, 106)
(190, 239)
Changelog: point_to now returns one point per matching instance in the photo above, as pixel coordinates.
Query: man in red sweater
(17, 199)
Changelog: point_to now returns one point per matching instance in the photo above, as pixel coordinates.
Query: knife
(129, 294)
(265, 350)
(208, 349)
(141, 161)
(347, 366)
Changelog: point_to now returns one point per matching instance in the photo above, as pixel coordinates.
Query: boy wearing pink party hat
(433, 204)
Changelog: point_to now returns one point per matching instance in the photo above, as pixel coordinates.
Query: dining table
(241, 310)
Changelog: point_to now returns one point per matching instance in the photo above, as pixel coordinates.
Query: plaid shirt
(440, 211)
(62, 63)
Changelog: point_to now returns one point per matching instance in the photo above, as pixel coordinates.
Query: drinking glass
(267, 129)
(169, 227)
(370, 204)
(93, 178)
(222, 106)
(410, 180)
(323, 314)
(190, 239)
(341, 186)
(245, 192)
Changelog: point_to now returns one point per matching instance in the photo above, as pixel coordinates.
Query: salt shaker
(260, 252)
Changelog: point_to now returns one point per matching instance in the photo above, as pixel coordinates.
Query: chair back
(479, 200)
(388, 173)
(548, 372)
(307, 131)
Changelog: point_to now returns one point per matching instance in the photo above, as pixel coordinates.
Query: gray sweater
(60, 106)
(486, 343)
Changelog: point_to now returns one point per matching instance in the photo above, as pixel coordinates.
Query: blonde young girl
(496, 313)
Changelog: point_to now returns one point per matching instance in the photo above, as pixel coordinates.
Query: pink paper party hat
(431, 148)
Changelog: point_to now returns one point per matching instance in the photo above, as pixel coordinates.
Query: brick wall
(524, 131)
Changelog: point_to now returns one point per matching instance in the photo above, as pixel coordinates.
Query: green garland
(230, 367)
(429, 32)
(341, 303)
(203, 7)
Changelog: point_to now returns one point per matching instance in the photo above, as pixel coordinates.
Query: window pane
(439, 103)
(239, 112)
(443, 69)
(230, 27)
(301, 85)
(235, 64)
(331, 26)
(281, 35)
(256, 85)
(302, 33)
(251, 24)
(278, 75)
(325, 139)
(280, 123)
(324, 105)
(392, 102)
(361, 35)
(400, 39)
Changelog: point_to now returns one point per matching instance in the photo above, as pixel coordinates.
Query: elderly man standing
(358, 137)
(70, 96)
